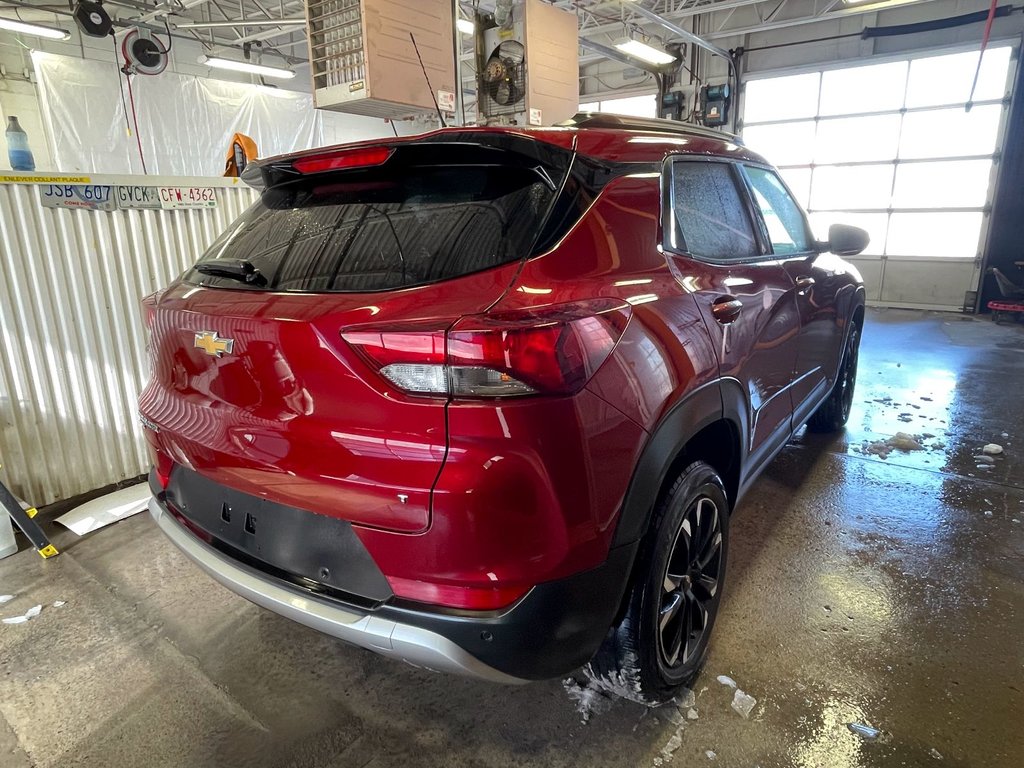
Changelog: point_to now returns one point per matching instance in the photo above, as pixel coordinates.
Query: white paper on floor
(107, 509)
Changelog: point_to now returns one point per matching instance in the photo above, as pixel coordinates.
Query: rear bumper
(557, 627)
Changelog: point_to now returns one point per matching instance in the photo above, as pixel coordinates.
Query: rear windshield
(372, 231)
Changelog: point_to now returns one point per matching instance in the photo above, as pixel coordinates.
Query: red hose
(981, 54)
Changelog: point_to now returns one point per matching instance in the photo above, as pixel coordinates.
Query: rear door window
(377, 230)
(711, 218)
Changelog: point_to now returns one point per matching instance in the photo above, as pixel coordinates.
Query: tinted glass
(371, 232)
(710, 215)
(785, 221)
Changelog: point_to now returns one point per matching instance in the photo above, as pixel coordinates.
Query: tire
(833, 414)
(642, 658)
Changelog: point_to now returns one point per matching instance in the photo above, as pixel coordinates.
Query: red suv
(483, 399)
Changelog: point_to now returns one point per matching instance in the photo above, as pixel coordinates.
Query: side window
(787, 228)
(711, 216)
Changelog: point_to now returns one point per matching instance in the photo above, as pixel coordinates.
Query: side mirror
(844, 240)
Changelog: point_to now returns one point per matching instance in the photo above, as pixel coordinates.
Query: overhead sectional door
(890, 147)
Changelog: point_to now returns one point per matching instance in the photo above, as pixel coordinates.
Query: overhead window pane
(634, 106)
(787, 228)
(851, 186)
(945, 132)
(874, 88)
(711, 217)
(799, 182)
(781, 98)
(783, 143)
(957, 184)
(934, 234)
(947, 79)
(847, 139)
(875, 224)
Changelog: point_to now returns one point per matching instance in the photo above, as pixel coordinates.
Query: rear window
(374, 230)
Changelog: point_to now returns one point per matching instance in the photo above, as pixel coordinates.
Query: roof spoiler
(656, 124)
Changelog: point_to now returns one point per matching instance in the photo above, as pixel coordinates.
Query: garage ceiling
(602, 21)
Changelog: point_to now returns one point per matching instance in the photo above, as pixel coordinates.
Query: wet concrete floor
(886, 591)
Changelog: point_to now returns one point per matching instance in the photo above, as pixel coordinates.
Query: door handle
(804, 283)
(726, 309)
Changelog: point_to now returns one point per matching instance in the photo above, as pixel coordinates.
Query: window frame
(670, 230)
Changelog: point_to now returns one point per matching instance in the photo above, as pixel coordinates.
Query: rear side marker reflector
(469, 598)
(354, 158)
(551, 350)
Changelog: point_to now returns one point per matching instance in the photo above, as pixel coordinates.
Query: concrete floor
(885, 591)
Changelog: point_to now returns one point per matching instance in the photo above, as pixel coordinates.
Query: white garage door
(890, 147)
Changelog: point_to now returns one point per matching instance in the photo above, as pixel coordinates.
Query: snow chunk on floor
(31, 613)
(743, 703)
(589, 699)
(726, 680)
(992, 449)
(901, 441)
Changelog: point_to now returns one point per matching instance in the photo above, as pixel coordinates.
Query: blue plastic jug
(18, 151)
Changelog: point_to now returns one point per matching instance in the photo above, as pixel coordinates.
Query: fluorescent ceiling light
(245, 66)
(645, 52)
(465, 26)
(34, 29)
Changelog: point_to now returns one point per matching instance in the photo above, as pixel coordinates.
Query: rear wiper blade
(235, 269)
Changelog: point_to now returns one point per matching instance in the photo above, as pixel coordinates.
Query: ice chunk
(864, 731)
(726, 680)
(674, 743)
(935, 753)
(691, 714)
(988, 513)
(686, 699)
(31, 613)
(743, 703)
(992, 449)
(984, 459)
(5, 598)
(59, 603)
(710, 754)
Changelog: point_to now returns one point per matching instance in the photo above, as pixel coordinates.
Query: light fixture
(466, 26)
(245, 66)
(644, 52)
(52, 33)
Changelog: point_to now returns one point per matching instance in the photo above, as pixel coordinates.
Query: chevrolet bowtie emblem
(212, 344)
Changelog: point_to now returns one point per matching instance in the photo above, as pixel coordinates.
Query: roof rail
(629, 123)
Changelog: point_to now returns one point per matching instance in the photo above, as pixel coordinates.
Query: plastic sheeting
(185, 122)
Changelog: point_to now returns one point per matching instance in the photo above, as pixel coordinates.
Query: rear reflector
(354, 158)
(551, 350)
(469, 598)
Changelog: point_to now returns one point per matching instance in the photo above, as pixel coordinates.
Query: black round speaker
(92, 19)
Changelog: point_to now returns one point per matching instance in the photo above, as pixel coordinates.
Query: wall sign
(88, 197)
(137, 196)
(187, 197)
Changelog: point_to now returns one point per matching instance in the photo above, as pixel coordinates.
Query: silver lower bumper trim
(413, 645)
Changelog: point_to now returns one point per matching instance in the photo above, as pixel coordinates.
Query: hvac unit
(364, 60)
(527, 64)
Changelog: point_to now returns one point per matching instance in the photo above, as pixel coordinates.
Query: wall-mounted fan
(143, 53)
(504, 77)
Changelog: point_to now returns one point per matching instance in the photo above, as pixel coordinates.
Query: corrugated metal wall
(73, 358)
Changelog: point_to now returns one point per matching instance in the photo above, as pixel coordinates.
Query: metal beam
(675, 29)
(826, 14)
(296, 22)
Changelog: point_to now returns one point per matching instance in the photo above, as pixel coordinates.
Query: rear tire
(833, 414)
(662, 640)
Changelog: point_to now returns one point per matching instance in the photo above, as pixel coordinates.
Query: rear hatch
(253, 384)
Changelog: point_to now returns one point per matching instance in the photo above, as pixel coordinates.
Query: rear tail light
(552, 350)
